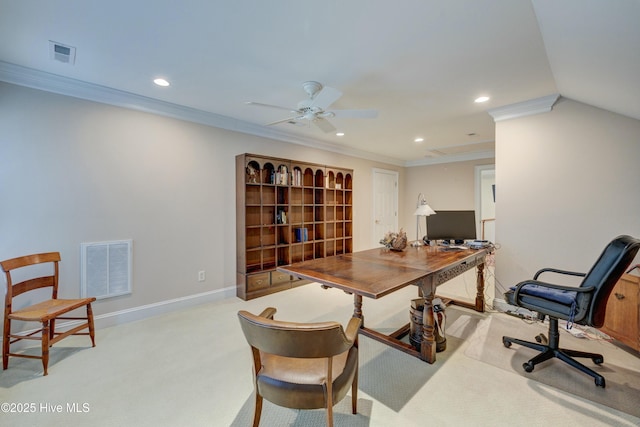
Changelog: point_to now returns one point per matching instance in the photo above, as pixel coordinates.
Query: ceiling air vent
(62, 53)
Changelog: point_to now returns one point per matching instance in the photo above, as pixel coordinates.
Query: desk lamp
(422, 209)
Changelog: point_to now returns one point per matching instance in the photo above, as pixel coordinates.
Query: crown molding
(524, 108)
(48, 82)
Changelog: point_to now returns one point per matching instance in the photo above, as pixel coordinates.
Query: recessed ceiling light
(339, 133)
(482, 99)
(161, 82)
(418, 139)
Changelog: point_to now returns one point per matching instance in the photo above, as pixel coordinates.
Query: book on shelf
(297, 177)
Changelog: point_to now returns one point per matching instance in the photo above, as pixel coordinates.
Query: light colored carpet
(620, 369)
(273, 415)
(192, 367)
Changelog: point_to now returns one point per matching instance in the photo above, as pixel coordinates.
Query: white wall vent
(105, 268)
(62, 53)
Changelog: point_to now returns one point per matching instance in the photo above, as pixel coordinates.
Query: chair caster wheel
(506, 342)
(598, 360)
(528, 366)
(600, 382)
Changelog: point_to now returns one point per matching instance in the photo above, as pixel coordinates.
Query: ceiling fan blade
(259, 104)
(356, 114)
(326, 97)
(288, 119)
(324, 125)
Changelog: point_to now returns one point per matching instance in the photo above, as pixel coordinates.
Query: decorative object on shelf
(395, 241)
(252, 174)
(281, 217)
(422, 209)
(282, 176)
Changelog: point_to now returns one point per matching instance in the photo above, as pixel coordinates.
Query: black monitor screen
(452, 225)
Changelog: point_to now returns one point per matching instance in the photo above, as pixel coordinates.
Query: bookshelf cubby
(287, 211)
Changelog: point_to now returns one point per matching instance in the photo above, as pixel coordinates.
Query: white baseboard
(161, 307)
(144, 311)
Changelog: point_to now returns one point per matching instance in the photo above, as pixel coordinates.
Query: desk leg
(478, 304)
(357, 307)
(480, 288)
(428, 344)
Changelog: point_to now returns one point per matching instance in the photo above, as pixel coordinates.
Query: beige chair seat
(48, 310)
(307, 376)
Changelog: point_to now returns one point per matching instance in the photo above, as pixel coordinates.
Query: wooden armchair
(46, 312)
(302, 365)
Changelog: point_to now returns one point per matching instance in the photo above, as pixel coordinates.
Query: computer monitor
(452, 225)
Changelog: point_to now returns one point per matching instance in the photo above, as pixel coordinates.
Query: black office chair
(584, 305)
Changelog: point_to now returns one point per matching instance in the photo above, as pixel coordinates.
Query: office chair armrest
(268, 312)
(352, 328)
(555, 270)
(579, 290)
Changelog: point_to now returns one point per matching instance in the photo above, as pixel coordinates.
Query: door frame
(479, 194)
(375, 171)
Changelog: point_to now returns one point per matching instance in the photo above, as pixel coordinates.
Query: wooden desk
(375, 273)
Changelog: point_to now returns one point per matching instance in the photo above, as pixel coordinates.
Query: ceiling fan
(314, 109)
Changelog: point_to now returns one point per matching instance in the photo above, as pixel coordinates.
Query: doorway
(486, 201)
(385, 203)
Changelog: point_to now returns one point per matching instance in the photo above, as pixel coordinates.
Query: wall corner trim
(524, 108)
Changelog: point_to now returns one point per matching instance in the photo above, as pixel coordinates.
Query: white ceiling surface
(420, 63)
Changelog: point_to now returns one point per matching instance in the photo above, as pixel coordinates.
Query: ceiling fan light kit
(314, 109)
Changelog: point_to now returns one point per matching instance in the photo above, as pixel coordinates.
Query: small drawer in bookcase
(278, 278)
(256, 282)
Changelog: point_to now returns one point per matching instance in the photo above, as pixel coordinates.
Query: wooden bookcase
(287, 211)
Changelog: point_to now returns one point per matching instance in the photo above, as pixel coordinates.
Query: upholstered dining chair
(45, 312)
(583, 305)
(302, 365)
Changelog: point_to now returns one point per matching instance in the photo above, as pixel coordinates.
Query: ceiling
(419, 63)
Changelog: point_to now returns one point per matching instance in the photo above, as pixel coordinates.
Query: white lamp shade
(424, 210)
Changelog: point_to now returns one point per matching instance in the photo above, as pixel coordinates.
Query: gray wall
(74, 171)
(446, 186)
(567, 182)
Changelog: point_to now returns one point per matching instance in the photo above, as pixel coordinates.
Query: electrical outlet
(201, 276)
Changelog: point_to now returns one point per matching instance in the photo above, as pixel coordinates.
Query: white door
(385, 203)
(485, 201)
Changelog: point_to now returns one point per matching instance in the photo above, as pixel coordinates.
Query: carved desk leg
(357, 307)
(428, 344)
(480, 288)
